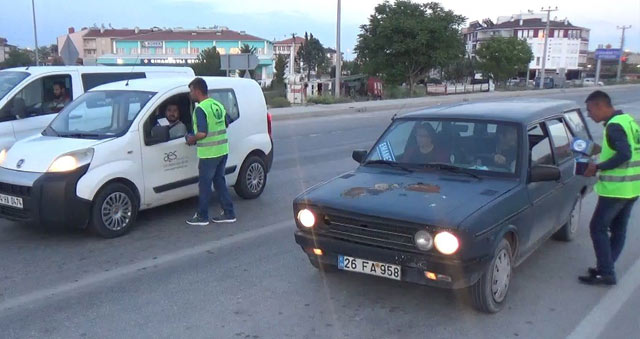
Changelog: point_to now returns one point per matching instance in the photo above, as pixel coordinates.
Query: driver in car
(421, 149)
(506, 147)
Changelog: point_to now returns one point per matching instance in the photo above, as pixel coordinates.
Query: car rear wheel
(114, 211)
(570, 229)
(489, 293)
(252, 178)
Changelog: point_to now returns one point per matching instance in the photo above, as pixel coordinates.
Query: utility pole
(338, 54)
(35, 31)
(546, 43)
(623, 28)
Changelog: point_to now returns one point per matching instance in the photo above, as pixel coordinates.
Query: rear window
(227, 97)
(91, 80)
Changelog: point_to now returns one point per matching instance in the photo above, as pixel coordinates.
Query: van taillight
(269, 124)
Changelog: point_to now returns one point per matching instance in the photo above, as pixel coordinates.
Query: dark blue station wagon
(453, 197)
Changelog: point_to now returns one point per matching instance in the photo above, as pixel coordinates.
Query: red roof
(114, 33)
(194, 35)
(299, 41)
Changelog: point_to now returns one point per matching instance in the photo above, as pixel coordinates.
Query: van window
(227, 97)
(9, 80)
(539, 147)
(177, 129)
(560, 139)
(42, 96)
(91, 80)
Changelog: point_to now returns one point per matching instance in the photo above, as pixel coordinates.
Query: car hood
(37, 153)
(431, 198)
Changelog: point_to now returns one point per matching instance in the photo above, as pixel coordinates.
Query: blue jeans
(212, 170)
(611, 216)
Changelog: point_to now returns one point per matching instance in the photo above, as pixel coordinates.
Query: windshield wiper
(451, 168)
(80, 135)
(388, 163)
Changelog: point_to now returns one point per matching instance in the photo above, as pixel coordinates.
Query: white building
(567, 44)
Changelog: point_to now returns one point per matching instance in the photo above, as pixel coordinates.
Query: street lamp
(35, 31)
(338, 53)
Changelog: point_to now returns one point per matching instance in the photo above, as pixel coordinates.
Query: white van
(106, 155)
(27, 101)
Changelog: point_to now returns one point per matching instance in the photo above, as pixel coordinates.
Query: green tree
(460, 70)
(208, 63)
(246, 49)
(352, 67)
(18, 58)
(281, 65)
(502, 58)
(313, 56)
(403, 41)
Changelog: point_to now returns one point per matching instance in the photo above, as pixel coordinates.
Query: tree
(352, 67)
(403, 41)
(18, 58)
(208, 63)
(460, 69)
(246, 49)
(312, 54)
(281, 65)
(502, 58)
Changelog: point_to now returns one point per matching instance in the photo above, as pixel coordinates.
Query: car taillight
(269, 124)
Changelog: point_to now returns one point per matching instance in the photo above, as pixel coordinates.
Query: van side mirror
(541, 173)
(159, 134)
(359, 155)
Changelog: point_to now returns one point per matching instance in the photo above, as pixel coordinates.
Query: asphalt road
(250, 280)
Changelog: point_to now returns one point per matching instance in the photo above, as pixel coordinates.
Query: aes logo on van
(171, 156)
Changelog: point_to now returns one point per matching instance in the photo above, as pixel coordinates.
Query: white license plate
(8, 200)
(369, 267)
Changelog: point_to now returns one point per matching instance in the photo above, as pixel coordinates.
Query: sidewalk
(301, 112)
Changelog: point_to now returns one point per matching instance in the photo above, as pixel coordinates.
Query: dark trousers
(608, 231)
(212, 170)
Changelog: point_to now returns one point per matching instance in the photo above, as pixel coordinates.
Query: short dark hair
(200, 85)
(60, 84)
(599, 96)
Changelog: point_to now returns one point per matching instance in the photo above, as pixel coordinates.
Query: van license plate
(8, 200)
(369, 267)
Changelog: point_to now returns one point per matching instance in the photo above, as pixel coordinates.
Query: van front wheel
(252, 178)
(114, 211)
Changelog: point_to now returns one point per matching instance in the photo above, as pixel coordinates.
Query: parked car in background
(591, 82)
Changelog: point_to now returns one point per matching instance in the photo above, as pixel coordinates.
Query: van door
(170, 167)
(37, 103)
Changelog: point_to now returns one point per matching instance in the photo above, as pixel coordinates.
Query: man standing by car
(618, 185)
(209, 125)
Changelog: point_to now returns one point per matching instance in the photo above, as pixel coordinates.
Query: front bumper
(414, 265)
(49, 199)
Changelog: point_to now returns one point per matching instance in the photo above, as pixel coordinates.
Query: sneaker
(598, 279)
(223, 219)
(198, 221)
(592, 271)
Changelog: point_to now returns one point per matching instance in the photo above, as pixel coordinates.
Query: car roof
(167, 84)
(519, 110)
(95, 69)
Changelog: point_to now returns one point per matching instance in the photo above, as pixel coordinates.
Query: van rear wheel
(252, 178)
(114, 211)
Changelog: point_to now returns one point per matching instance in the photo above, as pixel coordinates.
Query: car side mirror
(159, 134)
(359, 155)
(541, 173)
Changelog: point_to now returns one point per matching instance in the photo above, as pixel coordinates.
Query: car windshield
(99, 114)
(9, 80)
(470, 145)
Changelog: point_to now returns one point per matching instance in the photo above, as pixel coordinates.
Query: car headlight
(446, 243)
(423, 240)
(3, 155)
(306, 218)
(71, 161)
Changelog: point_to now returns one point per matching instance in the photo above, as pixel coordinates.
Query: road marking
(596, 321)
(93, 279)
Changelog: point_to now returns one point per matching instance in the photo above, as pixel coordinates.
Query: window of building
(120, 50)
(183, 51)
(537, 61)
(133, 51)
(145, 50)
(170, 50)
(221, 51)
(195, 50)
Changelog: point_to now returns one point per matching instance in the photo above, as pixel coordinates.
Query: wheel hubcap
(255, 178)
(575, 217)
(116, 211)
(501, 276)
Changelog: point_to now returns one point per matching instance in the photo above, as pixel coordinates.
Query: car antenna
(398, 112)
(132, 68)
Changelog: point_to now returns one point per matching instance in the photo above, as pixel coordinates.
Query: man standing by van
(618, 185)
(209, 126)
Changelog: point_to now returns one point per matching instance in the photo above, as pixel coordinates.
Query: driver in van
(60, 97)
(177, 129)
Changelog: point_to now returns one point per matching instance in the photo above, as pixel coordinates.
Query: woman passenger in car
(421, 149)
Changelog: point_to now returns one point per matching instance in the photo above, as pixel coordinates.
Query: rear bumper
(414, 266)
(49, 199)
(269, 159)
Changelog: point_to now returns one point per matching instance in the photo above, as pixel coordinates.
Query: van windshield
(9, 80)
(99, 114)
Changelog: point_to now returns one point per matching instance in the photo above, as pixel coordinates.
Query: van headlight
(446, 243)
(71, 161)
(3, 155)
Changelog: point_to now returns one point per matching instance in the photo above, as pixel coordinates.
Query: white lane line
(93, 279)
(596, 321)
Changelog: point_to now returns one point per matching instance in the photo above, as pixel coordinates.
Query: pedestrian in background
(618, 185)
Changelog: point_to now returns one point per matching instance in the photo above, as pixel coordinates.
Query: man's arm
(618, 141)
(202, 127)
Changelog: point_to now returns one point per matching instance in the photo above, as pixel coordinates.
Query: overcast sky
(277, 19)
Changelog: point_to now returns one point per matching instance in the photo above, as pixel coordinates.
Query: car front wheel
(114, 211)
(489, 293)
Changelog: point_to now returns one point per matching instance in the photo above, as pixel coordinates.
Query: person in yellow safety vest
(210, 129)
(618, 185)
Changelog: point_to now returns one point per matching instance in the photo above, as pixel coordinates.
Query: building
(567, 44)
(283, 47)
(89, 44)
(5, 49)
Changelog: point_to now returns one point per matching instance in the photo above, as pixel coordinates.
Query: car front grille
(11, 189)
(368, 231)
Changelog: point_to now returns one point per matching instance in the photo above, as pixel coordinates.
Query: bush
(327, 100)
(278, 102)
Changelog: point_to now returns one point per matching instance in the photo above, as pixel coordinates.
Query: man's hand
(596, 149)
(500, 159)
(591, 170)
(191, 139)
